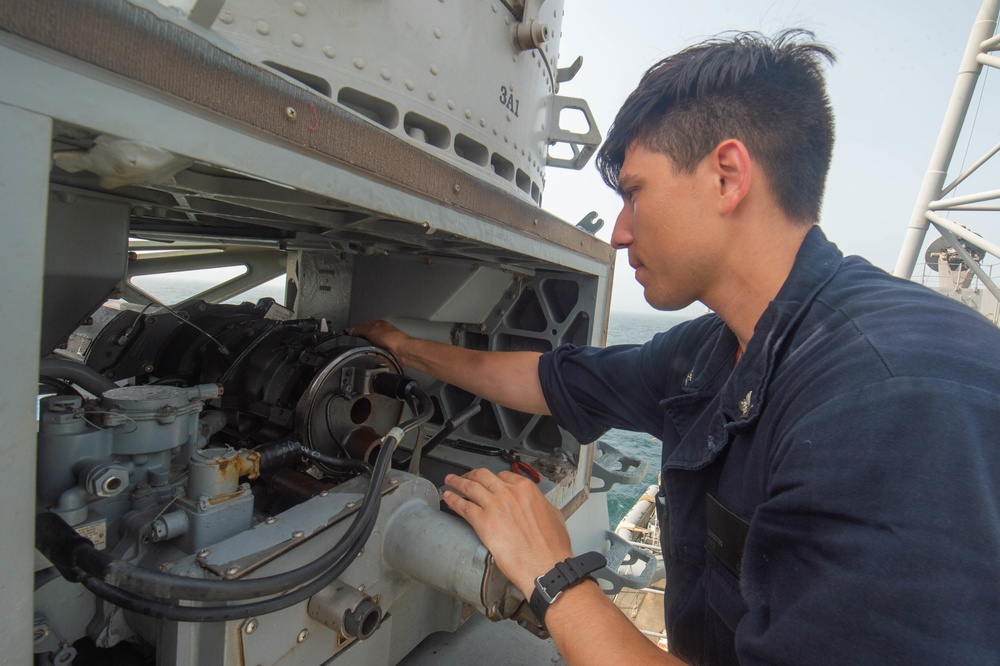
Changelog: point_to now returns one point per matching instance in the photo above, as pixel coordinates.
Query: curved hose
(345, 553)
(130, 586)
(82, 375)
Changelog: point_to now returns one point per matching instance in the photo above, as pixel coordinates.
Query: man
(831, 463)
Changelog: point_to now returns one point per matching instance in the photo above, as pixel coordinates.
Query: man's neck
(755, 272)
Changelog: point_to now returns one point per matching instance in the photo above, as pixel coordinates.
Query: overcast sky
(897, 65)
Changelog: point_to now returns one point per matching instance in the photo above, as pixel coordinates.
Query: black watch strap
(563, 575)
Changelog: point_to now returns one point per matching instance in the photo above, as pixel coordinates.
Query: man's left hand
(525, 533)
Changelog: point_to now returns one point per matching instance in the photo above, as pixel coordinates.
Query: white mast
(931, 204)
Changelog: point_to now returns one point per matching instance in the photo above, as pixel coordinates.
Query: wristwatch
(563, 575)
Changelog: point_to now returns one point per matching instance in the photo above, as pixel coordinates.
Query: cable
(71, 553)
(357, 534)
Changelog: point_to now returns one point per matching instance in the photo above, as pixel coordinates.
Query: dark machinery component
(279, 378)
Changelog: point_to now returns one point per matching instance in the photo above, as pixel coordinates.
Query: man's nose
(621, 237)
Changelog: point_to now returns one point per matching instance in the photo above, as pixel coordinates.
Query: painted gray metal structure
(959, 257)
(213, 143)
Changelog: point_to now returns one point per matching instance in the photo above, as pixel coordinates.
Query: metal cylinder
(345, 609)
(217, 471)
(439, 550)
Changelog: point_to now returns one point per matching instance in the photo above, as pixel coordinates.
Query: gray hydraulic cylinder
(437, 549)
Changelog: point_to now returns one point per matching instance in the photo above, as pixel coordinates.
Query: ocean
(635, 328)
(623, 328)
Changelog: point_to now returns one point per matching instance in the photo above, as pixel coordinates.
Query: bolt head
(202, 554)
(232, 570)
(250, 626)
(302, 636)
(271, 520)
(291, 113)
(298, 534)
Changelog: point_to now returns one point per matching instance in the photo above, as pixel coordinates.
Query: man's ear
(731, 162)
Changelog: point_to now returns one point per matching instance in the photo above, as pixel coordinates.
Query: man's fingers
(459, 504)
(477, 485)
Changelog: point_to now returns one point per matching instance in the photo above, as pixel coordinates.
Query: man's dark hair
(767, 93)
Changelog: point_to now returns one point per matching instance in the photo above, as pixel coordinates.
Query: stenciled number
(508, 100)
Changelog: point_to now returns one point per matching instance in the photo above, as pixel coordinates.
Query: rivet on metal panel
(482, 122)
(202, 554)
(457, 188)
(226, 17)
(324, 493)
(468, 114)
(300, 8)
(360, 553)
(351, 505)
(431, 95)
(361, 588)
(434, 70)
(438, 33)
(298, 534)
(329, 51)
(385, 74)
(393, 482)
(291, 113)
(232, 570)
(297, 39)
(496, 132)
(271, 520)
(409, 84)
(451, 105)
(359, 63)
(262, 28)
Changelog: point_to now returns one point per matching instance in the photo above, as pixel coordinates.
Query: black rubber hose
(60, 542)
(282, 453)
(425, 412)
(358, 532)
(82, 375)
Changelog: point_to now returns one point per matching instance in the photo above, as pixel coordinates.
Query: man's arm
(506, 378)
(527, 536)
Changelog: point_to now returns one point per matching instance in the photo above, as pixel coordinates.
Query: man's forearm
(506, 378)
(589, 629)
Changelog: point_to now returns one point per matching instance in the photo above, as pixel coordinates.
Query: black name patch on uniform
(727, 535)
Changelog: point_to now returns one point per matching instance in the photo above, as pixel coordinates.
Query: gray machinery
(244, 483)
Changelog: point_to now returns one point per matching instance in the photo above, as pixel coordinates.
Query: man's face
(667, 228)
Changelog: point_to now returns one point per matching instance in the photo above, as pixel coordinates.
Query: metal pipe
(944, 149)
(972, 169)
(437, 549)
(945, 204)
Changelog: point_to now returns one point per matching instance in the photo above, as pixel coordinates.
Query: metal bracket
(612, 466)
(590, 223)
(583, 144)
(622, 554)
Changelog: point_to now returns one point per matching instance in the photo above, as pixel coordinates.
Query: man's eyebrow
(625, 180)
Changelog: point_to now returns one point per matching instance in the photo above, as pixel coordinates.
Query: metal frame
(932, 202)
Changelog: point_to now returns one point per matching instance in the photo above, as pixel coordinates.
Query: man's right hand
(380, 333)
(506, 378)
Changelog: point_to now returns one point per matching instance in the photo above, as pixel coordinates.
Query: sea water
(634, 328)
(623, 328)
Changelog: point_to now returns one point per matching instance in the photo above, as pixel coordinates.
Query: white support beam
(25, 146)
(951, 128)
